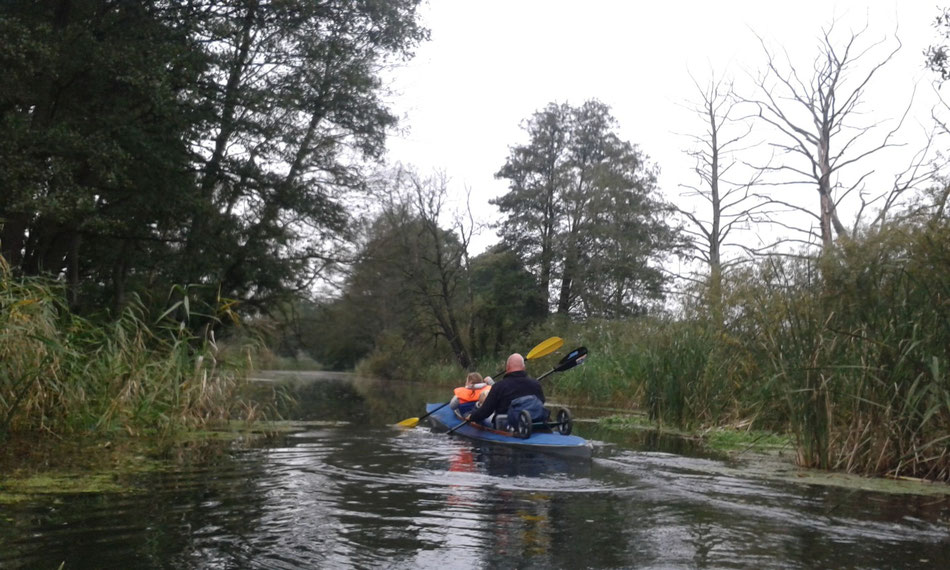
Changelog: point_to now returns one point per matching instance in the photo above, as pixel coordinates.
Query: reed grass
(62, 373)
(849, 354)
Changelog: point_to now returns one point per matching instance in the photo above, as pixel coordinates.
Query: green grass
(720, 438)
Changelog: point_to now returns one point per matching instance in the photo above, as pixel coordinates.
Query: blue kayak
(541, 439)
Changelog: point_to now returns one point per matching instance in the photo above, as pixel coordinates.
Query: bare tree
(727, 203)
(819, 121)
(922, 170)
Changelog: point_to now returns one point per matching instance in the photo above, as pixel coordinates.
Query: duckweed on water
(14, 490)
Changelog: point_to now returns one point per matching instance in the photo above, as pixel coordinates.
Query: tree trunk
(120, 273)
(715, 261)
(74, 240)
(13, 238)
(567, 281)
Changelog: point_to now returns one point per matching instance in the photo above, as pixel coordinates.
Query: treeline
(584, 232)
(229, 152)
(167, 169)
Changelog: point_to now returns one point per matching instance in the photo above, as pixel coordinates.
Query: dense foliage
(414, 297)
(214, 142)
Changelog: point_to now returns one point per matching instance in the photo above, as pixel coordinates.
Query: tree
(581, 208)
(818, 121)
(95, 152)
(727, 203)
(411, 278)
(535, 173)
(506, 303)
(294, 92)
(207, 142)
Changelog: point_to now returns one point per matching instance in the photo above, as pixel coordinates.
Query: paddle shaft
(427, 414)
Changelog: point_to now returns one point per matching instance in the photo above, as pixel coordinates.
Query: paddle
(545, 348)
(570, 360)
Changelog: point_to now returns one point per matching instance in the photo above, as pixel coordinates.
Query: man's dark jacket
(513, 385)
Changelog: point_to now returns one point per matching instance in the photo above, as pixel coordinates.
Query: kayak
(545, 440)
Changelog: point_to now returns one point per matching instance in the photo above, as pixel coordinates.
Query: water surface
(356, 492)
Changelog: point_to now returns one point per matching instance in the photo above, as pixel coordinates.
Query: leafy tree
(582, 209)
(206, 142)
(334, 332)
(411, 278)
(507, 301)
(294, 94)
(535, 173)
(94, 153)
(395, 291)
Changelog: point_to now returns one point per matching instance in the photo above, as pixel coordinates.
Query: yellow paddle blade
(409, 422)
(545, 348)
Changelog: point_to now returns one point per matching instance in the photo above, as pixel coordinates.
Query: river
(352, 491)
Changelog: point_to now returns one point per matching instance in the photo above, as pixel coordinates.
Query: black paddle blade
(572, 359)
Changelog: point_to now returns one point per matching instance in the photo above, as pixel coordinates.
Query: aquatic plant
(60, 372)
(848, 353)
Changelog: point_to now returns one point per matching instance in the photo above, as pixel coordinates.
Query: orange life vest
(466, 395)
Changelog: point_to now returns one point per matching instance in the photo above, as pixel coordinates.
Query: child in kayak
(466, 397)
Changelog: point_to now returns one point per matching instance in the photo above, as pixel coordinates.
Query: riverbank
(143, 369)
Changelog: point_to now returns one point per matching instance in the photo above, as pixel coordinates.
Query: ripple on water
(842, 514)
(341, 497)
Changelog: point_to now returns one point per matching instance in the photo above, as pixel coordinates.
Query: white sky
(492, 63)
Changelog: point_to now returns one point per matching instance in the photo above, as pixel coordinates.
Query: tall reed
(848, 353)
(61, 373)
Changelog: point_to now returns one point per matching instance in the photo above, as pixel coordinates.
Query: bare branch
(830, 99)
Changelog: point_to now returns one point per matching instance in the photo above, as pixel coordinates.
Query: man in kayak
(515, 392)
(466, 397)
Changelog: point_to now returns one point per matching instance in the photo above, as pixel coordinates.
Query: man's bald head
(515, 363)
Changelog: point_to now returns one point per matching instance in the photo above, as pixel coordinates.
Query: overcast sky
(491, 64)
